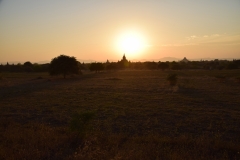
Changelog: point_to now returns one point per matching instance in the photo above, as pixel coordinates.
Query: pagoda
(185, 60)
(124, 62)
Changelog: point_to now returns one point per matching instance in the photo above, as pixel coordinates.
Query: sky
(35, 31)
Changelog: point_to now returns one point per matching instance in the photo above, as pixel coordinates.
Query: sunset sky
(40, 30)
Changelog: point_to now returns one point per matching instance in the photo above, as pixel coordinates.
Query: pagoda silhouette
(185, 60)
(124, 62)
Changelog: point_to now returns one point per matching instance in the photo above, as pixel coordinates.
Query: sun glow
(131, 43)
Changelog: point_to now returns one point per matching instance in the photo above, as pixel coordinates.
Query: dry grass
(137, 116)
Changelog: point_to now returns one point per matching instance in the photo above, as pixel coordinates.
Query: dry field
(130, 115)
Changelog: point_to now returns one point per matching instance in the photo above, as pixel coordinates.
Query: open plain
(136, 115)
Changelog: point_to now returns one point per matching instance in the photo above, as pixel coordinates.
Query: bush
(221, 78)
(175, 66)
(80, 123)
(232, 65)
(96, 67)
(163, 65)
(172, 79)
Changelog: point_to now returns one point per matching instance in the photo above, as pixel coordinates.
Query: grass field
(135, 115)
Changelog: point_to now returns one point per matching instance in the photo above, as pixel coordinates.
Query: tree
(151, 65)
(175, 66)
(232, 65)
(163, 65)
(28, 66)
(96, 67)
(112, 66)
(64, 65)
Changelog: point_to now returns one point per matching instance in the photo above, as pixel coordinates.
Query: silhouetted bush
(80, 123)
(82, 66)
(172, 79)
(151, 65)
(28, 67)
(29, 64)
(163, 65)
(112, 66)
(175, 66)
(138, 66)
(64, 65)
(232, 65)
(221, 78)
(96, 67)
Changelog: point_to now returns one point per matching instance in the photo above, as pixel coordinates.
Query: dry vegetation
(137, 115)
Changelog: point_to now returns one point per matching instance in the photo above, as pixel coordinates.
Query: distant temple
(124, 62)
(124, 59)
(185, 60)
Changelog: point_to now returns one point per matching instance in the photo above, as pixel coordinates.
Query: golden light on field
(131, 42)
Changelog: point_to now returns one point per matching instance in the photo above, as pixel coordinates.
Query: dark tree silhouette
(64, 65)
(28, 66)
(232, 65)
(112, 66)
(175, 66)
(163, 65)
(151, 65)
(96, 67)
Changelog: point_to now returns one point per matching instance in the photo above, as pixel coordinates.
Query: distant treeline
(26, 67)
(208, 65)
(125, 64)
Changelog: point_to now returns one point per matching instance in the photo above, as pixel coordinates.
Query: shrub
(172, 79)
(97, 67)
(80, 123)
(163, 65)
(238, 79)
(221, 78)
(232, 65)
(175, 66)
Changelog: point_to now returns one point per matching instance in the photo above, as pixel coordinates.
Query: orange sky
(41, 30)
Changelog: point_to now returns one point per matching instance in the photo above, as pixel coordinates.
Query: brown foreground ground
(120, 115)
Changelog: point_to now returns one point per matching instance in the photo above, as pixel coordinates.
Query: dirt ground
(132, 109)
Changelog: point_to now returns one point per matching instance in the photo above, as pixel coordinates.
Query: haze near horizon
(100, 30)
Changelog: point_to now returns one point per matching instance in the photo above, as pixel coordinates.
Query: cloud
(212, 39)
(224, 39)
(215, 35)
(192, 37)
(179, 44)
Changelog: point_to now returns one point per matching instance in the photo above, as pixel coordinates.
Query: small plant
(80, 123)
(114, 79)
(238, 79)
(172, 79)
(221, 78)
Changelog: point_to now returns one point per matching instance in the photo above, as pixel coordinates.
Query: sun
(131, 43)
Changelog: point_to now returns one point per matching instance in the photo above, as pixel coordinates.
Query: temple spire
(124, 57)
